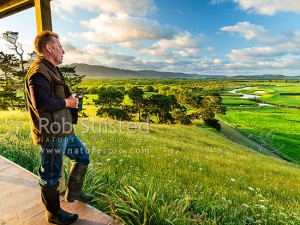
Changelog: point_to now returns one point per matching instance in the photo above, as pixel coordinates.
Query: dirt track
(234, 135)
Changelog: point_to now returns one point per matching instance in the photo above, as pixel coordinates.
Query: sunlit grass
(270, 93)
(283, 125)
(194, 174)
(231, 100)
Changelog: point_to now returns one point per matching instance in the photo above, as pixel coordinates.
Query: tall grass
(177, 175)
(15, 141)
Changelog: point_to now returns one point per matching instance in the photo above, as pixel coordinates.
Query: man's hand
(72, 102)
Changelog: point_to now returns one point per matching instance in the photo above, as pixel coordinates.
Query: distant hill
(96, 71)
(266, 77)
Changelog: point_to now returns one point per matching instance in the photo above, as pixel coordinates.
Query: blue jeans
(52, 153)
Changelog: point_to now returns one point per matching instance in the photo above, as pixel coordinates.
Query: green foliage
(180, 116)
(8, 64)
(93, 90)
(149, 88)
(205, 107)
(159, 106)
(32, 56)
(109, 100)
(8, 82)
(109, 97)
(12, 38)
(136, 95)
(70, 75)
(131, 207)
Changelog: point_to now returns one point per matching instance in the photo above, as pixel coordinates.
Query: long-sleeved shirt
(40, 91)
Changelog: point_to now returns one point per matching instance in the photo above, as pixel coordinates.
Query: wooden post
(43, 15)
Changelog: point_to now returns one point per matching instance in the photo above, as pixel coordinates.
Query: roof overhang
(42, 11)
(9, 7)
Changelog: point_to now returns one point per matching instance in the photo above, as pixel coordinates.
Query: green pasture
(271, 93)
(288, 100)
(277, 126)
(231, 100)
(172, 174)
(282, 87)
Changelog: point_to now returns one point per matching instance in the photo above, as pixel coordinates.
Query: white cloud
(183, 44)
(61, 15)
(250, 31)
(214, 2)
(135, 45)
(90, 54)
(269, 7)
(98, 55)
(124, 28)
(279, 63)
(217, 61)
(253, 53)
(291, 43)
(237, 66)
(131, 7)
(210, 49)
(262, 67)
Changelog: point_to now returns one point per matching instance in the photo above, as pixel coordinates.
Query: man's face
(57, 51)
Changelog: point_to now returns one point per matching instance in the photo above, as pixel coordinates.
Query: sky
(216, 37)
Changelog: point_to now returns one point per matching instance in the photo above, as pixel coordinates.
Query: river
(247, 96)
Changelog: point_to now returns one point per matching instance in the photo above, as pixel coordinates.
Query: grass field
(278, 127)
(271, 93)
(231, 100)
(282, 125)
(173, 174)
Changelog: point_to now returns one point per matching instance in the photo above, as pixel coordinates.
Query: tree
(180, 116)
(206, 106)
(109, 100)
(149, 88)
(159, 106)
(8, 90)
(12, 38)
(70, 75)
(32, 56)
(136, 95)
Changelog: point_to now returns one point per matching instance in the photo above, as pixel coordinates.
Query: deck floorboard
(21, 202)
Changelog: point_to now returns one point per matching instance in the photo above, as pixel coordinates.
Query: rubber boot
(54, 214)
(74, 189)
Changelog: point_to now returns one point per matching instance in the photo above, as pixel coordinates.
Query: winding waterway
(247, 96)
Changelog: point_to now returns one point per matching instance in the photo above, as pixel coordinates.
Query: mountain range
(97, 71)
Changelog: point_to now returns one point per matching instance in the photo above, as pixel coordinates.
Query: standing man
(53, 111)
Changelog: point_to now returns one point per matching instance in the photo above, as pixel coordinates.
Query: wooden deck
(20, 201)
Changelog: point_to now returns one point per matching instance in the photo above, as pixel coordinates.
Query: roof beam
(42, 11)
(9, 7)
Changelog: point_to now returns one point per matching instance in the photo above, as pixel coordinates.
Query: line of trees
(158, 107)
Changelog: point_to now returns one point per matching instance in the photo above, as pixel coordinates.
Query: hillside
(193, 172)
(96, 71)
